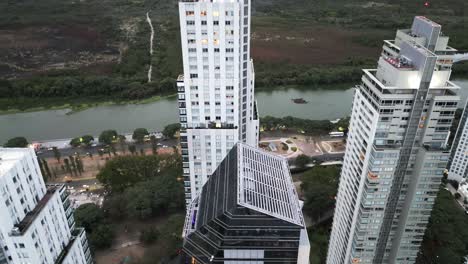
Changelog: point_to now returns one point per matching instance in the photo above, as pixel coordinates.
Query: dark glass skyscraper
(248, 211)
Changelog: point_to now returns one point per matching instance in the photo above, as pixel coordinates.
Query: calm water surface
(56, 124)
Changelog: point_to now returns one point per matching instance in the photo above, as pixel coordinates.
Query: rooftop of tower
(249, 178)
(9, 156)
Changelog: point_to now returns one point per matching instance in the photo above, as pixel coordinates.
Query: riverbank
(75, 105)
(72, 104)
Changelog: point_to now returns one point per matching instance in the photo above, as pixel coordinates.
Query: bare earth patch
(307, 45)
(30, 50)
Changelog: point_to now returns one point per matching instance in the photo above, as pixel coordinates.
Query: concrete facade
(396, 151)
(216, 93)
(36, 223)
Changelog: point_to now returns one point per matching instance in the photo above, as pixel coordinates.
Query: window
(191, 41)
(203, 22)
(228, 23)
(189, 13)
(190, 22)
(193, 75)
(216, 22)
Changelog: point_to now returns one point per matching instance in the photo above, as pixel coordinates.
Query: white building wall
(33, 225)
(380, 183)
(216, 92)
(459, 159)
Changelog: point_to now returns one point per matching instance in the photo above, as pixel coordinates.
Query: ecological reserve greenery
(127, 79)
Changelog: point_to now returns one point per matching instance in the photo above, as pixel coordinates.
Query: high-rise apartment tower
(247, 212)
(36, 221)
(396, 149)
(458, 165)
(216, 93)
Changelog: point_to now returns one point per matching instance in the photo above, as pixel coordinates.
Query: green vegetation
(119, 23)
(85, 140)
(320, 185)
(318, 238)
(171, 130)
(142, 186)
(139, 134)
(91, 217)
(168, 243)
(302, 125)
(16, 142)
(272, 74)
(108, 136)
(149, 235)
(302, 161)
(446, 237)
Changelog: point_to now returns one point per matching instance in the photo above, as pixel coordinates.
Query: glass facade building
(247, 212)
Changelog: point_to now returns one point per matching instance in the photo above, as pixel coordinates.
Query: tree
(85, 140)
(132, 149)
(46, 168)
(122, 141)
(302, 161)
(149, 235)
(139, 134)
(57, 154)
(320, 185)
(154, 144)
(446, 235)
(170, 130)
(67, 166)
(73, 164)
(89, 216)
(108, 136)
(16, 142)
(75, 142)
(102, 237)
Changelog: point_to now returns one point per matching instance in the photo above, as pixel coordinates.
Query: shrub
(149, 236)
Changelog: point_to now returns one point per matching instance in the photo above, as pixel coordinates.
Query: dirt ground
(307, 45)
(30, 50)
(126, 244)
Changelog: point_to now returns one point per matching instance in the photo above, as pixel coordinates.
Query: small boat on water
(299, 101)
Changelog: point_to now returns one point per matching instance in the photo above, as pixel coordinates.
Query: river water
(56, 124)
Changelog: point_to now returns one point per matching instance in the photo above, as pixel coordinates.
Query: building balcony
(211, 125)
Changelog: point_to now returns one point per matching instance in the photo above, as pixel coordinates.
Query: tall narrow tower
(396, 150)
(216, 93)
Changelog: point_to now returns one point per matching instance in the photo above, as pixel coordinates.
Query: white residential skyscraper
(36, 221)
(216, 93)
(458, 168)
(396, 149)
